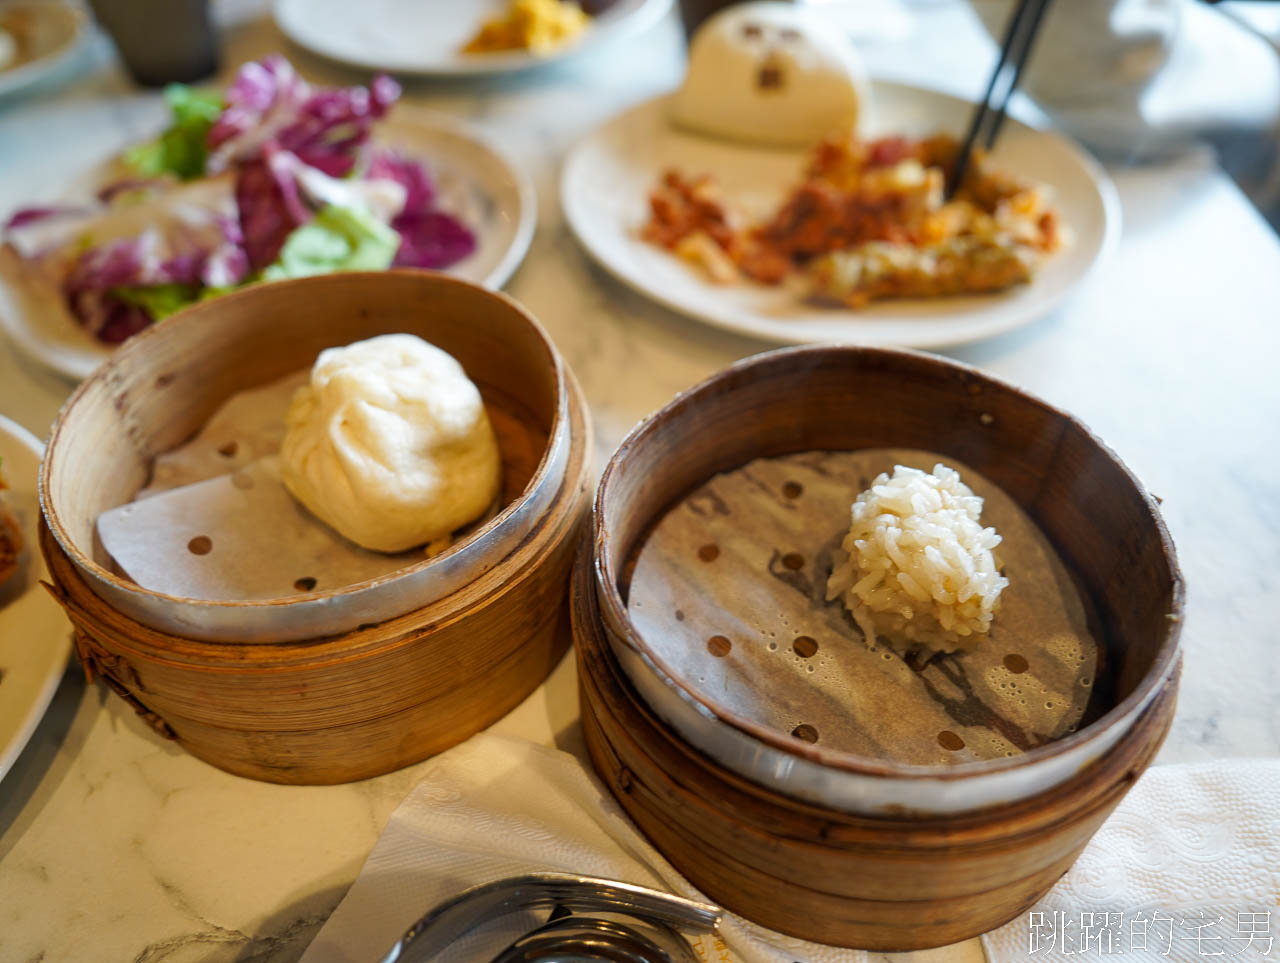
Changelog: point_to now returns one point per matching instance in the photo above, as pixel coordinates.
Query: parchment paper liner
(217, 523)
(729, 589)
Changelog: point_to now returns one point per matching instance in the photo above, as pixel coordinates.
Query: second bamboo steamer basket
(823, 844)
(335, 685)
(889, 883)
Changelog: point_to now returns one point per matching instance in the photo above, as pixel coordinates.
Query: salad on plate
(272, 178)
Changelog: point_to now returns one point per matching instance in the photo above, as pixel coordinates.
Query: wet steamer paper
(730, 589)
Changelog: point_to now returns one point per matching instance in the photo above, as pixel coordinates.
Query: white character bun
(390, 444)
(771, 73)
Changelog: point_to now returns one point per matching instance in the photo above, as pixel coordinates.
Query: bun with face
(770, 73)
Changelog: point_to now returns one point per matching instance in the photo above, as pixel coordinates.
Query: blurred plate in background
(36, 41)
(608, 176)
(426, 37)
(34, 635)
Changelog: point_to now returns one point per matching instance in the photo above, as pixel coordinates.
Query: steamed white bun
(390, 443)
(769, 73)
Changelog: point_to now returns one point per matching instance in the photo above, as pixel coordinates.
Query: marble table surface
(116, 845)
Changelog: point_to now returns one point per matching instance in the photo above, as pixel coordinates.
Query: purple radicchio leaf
(119, 263)
(29, 215)
(335, 124)
(228, 263)
(269, 103)
(420, 190)
(212, 256)
(432, 240)
(264, 98)
(270, 205)
(121, 321)
(429, 238)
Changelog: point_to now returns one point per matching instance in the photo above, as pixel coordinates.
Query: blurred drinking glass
(1093, 61)
(161, 41)
(693, 13)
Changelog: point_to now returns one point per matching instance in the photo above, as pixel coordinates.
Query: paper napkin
(1189, 844)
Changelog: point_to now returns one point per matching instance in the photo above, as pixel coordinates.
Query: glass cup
(161, 41)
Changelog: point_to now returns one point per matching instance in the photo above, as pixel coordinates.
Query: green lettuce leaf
(159, 300)
(181, 149)
(336, 239)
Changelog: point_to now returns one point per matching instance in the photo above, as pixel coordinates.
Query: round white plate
(475, 180)
(426, 37)
(608, 176)
(34, 635)
(53, 34)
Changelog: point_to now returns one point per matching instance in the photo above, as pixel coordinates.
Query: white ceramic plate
(34, 635)
(44, 37)
(607, 178)
(475, 180)
(426, 37)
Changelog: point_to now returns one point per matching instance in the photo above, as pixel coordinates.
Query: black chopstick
(1019, 35)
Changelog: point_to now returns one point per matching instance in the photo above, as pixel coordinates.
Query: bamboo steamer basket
(822, 844)
(872, 882)
(329, 686)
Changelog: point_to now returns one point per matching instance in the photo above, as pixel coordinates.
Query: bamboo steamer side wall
(352, 717)
(877, 883)
(359, 704)
(1083, 498)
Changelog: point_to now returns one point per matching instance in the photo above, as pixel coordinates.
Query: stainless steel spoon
(578, 939)
(577, 894)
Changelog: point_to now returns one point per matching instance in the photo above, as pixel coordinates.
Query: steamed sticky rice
(920, 568)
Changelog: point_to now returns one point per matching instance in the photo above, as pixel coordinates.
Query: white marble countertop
(116, 845)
